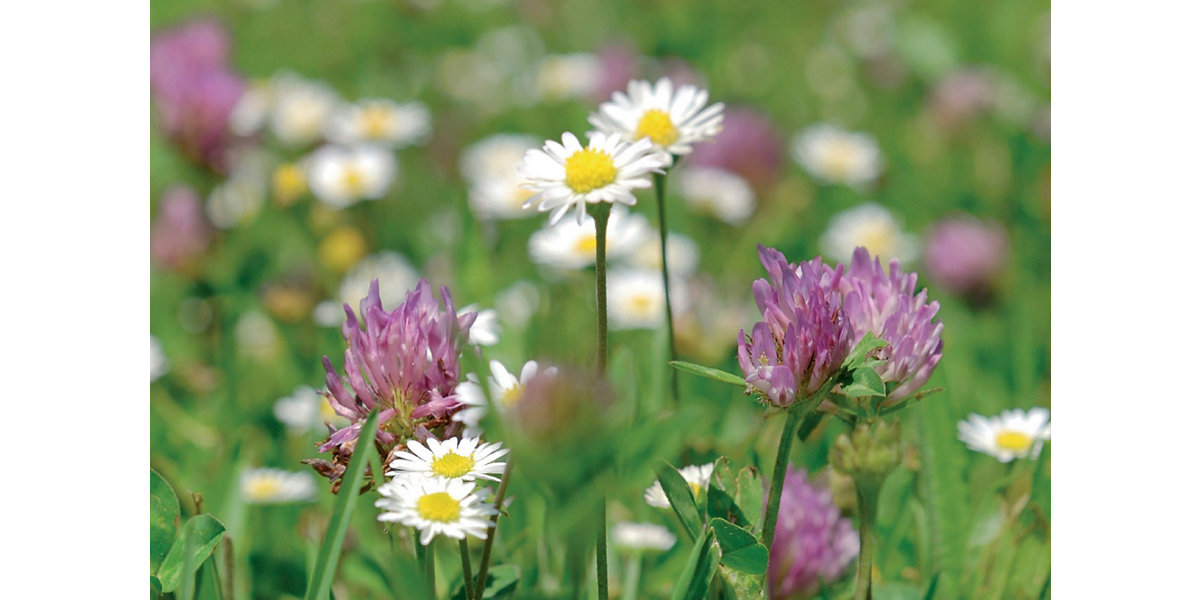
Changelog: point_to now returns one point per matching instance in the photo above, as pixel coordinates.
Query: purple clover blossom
(813, 543)
(965, 255)
(181, 233)
(404, 362)
(886, 304)
(804, 335)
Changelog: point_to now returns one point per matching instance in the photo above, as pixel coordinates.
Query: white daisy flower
(872, 227)
(672, 119)
(568, 175)
(572, 245)
(340, 176)
(256, 336)
(376, 120)
(716, 192)
(636, 299)
(505, 389)
(306, 410)
(465, 459)
(635, 537)
(490, 167)
(1013, 434)
(564, 76)
(682, 253)
(518, 303)
(436, 506)
(396, 277)
(159, 365)
(485, 331)
(832, 155)
(696, 477)
(300, 109)
(276, 486)
(252, 108)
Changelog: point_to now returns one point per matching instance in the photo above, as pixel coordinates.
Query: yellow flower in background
(288, 184)
(342, 249)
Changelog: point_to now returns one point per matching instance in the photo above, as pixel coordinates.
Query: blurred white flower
(517, 304)
(872, 227)
(682, 253)
(570, 245)
(485, 331)
(635, 537)
(241, 196)
(300, 109)
(672, 118)
(276, 486)
(504, 387)
(564, 76)
(251, 110)
(340, 176)
(396, 277)
(832, 155)
(636, 299)
(716, 192)
(382, 121)
(159, 365)
(1013, 434)
(696, 477)
(256, 336)
(490, 168)
(307, 410)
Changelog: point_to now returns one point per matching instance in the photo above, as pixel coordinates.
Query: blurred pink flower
(965, 255)
(194, 89)
(748, 145)
(813, 543)
(618, 65)
(181, 232)
(961, 97)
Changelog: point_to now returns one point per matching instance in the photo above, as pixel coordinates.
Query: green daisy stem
(600, 212)
(867, 491)
(633, 573)
(794, 415)
(485, 559)
(660, 193)
(425, 555)
(468, 592)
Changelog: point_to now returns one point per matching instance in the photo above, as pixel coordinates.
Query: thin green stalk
(486, 558)
(660, 193)
(426, 555)
(633, 573)
(600, 214)
(794, 415)
(868, 504)
(468, 592)
(602, 554)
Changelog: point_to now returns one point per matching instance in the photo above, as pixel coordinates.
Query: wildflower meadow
(488, 299)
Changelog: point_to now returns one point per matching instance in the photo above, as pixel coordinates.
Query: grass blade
(343, 507)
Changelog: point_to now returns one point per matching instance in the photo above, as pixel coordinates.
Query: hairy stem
(794, 414)
(868, 500)
(660, 193)
(481, 581)
(468, 592)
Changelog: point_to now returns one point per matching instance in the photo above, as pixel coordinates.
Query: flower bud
(871, 451)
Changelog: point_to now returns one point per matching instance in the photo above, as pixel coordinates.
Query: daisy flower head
(672, 119)
(871, 226)
(636, 299)
(832, 155)
(300, 109)
(490, 167)
(159, 365)
(485, 331)
(506, 390)
(380, 121)
(719, 193)
(462, 459)
(569, 175)
(276, 486)
(572, 245)
(636, 537)
(696, 477)
(341, 176)
(436, 506)
(1013, 434)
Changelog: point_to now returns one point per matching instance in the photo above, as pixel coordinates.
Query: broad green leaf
(744, 585)
(865, 383)
(740, 550)
(749, 497)
(709, 372)
(343, 507)
(502, 583)
(929, 593)
(722, 488)
(164, 513)
(205, 533)
(679, 494)
(862, 350)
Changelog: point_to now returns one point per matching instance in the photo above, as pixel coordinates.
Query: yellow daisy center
(452, 465)
(343, 248)
(589, 170)
(288, 183)
(877, 238)
(841, 156)
(1014, 441)
(263, 489)
(376, 121)
(511, 396)
(695, 488)
(641, 303)
(656, 125)
(438, 506)
(354, 181)
(586, 244)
